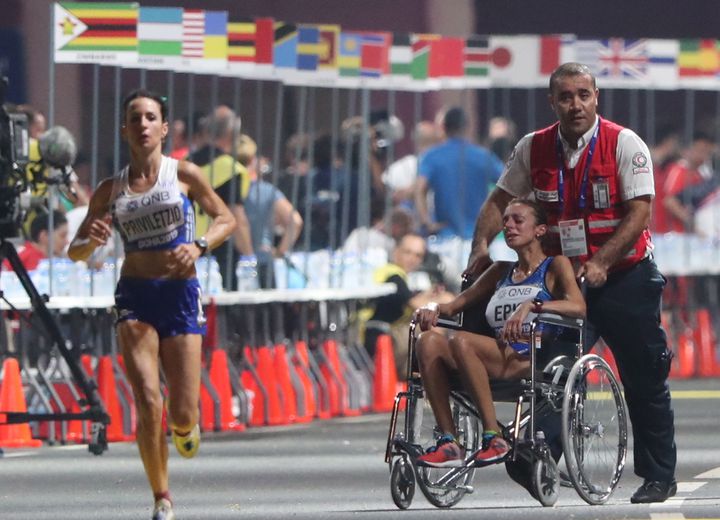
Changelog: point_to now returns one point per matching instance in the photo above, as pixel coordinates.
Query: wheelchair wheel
(545, 480)
(402, 483)
(594, 429)
(445, 487)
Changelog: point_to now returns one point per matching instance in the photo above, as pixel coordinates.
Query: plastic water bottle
(246, 271)
(280, 268)
(216, 280)
(63, 272)
(10, 285)
(40, 276)
(80, 279)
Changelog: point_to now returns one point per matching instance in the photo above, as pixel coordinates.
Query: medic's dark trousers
(625, 312)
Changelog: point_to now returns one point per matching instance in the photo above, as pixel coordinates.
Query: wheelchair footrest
(411, 449)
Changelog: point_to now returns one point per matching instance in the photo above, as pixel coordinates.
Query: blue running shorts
(173, 307)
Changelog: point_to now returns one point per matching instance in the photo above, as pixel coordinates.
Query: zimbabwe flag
(96, 26)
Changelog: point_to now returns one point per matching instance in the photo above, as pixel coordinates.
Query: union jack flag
(614, 57)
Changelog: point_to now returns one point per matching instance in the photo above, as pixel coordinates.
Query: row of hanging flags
(209, 42)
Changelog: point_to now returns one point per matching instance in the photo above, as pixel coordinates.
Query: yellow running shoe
(187, 445)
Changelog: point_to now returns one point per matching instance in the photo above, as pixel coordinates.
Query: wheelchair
(581, 388)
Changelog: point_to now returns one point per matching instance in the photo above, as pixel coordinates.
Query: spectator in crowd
(458, 172)
(392, 313)
(693, 168)
(383, 130)
(230, 181)
(613, 252)
(362, 238)
(697, 207)
(38, 246)
(180, 142)
(665, 152)
(37, 123)
(400, 176)
(502, 137)
(274, 223)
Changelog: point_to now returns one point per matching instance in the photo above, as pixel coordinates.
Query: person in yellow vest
(230, 180)
(392, 313)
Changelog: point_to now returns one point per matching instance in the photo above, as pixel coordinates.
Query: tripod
(95, 411)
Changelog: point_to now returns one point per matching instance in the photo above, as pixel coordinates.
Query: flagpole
(51, 70)
(191, 108)
(363, 210)
(259, 115)
(650, 116)
(634, 114)
(298, 155)
(309, 177)
(389, 160)
(277, 143)
(608, 96)
(352, 97)
(171, 111)
(689, 115)
(117, 106)
(531, 109)
(334, 126)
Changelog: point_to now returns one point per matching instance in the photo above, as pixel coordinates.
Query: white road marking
(689, 487)
(670, 502)
(713, 473)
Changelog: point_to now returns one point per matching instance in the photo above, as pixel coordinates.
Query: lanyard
(561, 167)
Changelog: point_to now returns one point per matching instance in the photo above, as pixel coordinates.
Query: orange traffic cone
(220, 377)
(87, 364)
(706, 342)
(307, 405)
(12, 399)
(284, 379)
(266, 371)
(683, 365)
(385, 380)
(334, 375)
(108, 393)
(256, 401)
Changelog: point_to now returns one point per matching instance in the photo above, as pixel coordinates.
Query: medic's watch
(202, 244)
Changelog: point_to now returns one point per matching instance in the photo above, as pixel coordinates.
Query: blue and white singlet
(160, 218)
(508, 295)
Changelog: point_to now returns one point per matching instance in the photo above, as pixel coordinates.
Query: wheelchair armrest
(560, 320)
(450, 323)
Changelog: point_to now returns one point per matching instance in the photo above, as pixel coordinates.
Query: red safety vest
(600, 224)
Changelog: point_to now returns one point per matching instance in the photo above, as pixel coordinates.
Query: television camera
(21, 173)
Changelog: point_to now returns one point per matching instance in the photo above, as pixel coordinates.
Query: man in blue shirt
(458, 172)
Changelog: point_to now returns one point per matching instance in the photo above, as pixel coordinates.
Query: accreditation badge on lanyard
(573, 237)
